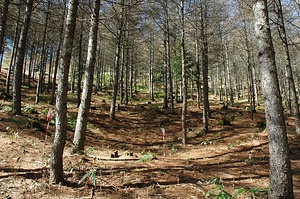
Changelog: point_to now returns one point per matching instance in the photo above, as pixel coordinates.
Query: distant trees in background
(174, 50)
(140, 40)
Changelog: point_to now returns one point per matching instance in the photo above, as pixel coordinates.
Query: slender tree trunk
(281, 184)
(251, 92)
(165, 69)
(151, 65)
(52, 99)
(31, 68)
(55, 74)
(18, 69)
(168, 57)
(50, 69)
(117, 63)
(184, 81)
(127, 63)
(206, 111)
(198, 80)
(289, 73)
(121, 81)
(83, 112)
(79, 79)
(56, 158)
(131, 78)
(170, 74)
(43, 58)
(228, 70)
(73, 75)
(14, 50)
(3, 27)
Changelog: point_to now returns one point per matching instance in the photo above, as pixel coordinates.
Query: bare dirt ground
(229, 160)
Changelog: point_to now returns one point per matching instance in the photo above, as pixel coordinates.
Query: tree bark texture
(281, 185)
(56, 159)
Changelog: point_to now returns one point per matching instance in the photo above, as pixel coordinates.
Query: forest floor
(231, 161)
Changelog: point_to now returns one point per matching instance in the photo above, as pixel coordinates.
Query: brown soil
(225, 160)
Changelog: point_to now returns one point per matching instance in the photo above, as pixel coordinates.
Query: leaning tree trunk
(83, 112)
(17, 82)
(56, 159)
(281, 184)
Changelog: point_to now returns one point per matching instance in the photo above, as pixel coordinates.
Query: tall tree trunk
(3, 27)
(281, 184)
(198, 73)
(289, 73)
(18, 69)
(73, 75)
(43, 58)
(184, 81)
(117, 63)
(83, 112)
(50, 69)
(251, 92)
(228, 70)
(56, 159)
(151, 66)
(55, 74)
(128, 58)
(79, 79)
(169, 72)
(170, 75)
(121, 81)
(14, 50)
(206, 111)
(52, 99)
(165, 69)
(31, 68)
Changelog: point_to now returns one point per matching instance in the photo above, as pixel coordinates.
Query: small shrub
(92, 174)
(148, 156)
(218, 192)
(71, 121)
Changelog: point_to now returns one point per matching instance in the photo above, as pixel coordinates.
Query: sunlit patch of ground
(229, 159)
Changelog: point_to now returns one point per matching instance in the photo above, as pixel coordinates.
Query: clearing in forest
(127, 158)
